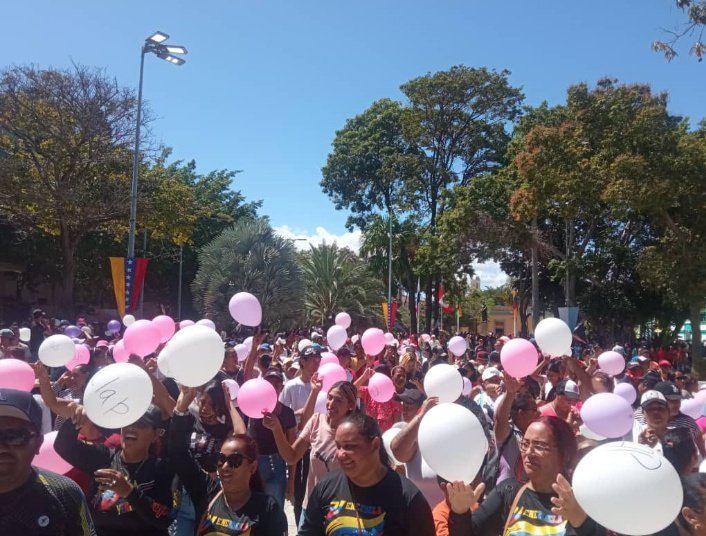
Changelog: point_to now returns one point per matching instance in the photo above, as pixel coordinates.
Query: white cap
(355, 338)
(491, 372)
(315, 335)
(650, 397)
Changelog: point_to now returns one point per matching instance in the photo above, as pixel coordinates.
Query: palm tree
(250, 257)
(405, 240)
(338, 280)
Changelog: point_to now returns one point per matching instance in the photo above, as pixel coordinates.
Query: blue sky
(268, 82)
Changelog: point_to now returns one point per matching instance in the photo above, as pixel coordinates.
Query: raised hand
(565, 503)
(463, 497)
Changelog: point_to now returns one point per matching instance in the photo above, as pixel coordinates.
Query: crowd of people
(195, 464)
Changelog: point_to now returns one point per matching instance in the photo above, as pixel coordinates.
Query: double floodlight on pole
(153, 44)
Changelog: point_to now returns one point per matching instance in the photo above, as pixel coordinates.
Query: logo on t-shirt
(345, 517)
(43, 521)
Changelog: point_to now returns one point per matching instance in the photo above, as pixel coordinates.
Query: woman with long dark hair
(544, 505)
(234, 502)
(365, 496)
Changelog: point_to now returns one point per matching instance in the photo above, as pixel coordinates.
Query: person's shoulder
(332, 481)
(263, 502)
(57, 484)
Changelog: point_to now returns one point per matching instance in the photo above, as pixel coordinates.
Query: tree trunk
(428, 300)
(535, 276)
(412, 304)
(66, 295)
(696, 348)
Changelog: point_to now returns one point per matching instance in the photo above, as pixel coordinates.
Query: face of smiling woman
(357, 454)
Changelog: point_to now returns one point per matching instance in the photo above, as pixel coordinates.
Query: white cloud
(490, 274)
(346, 240)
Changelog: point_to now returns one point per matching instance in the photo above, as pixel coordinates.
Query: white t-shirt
(295, 393)
(424, 477)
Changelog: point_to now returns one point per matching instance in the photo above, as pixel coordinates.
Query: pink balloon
(627, 391)
(336, 336)
(245, 309)
(519, 357)
(693, 407)
(256, 397)
(48, 458)
(82, 355)
(330, 374)
(380, 387)
(120, 354)
(166, 326)
(612, 363)
(343, 320)
(328, 357)
(16, 374)
(321, 400)
(607, 415)
(457, 345)
(373, 341)
(141, 338)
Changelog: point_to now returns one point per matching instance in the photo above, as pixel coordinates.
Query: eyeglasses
(539, 448)
(16, 437)
(235, 460)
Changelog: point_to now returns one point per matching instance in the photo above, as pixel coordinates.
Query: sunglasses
(16, 437)
(234, 460)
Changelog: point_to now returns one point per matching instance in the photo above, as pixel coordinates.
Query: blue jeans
(186, 516)
(273, 472)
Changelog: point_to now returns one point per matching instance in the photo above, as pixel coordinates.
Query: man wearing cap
(6, 336)
(567, 394)
(294, 395)
(486, 399)
(656, 411)
(677, 419)
(34, 501)
(39, 330)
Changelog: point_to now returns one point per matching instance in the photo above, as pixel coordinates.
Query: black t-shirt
(260, 516)
(46, 505)
(264, 437)
(394, 506)
(206, 441)
(533, 515)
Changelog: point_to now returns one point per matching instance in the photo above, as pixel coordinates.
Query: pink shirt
(547, 410)
(385, 413)
(322, 456)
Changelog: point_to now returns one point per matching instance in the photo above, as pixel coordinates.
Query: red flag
(448, 309)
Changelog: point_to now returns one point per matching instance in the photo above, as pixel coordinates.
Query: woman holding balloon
(318, 434)
(544, 505)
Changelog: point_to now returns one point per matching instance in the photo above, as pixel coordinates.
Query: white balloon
(195, 355)
(702, 467)
(445, 382)
(630, 469)
(303, 344)
(248, 343)
(128, 320)
(343, 320)
(320, 406)
(692, 407)
(25, 334)
(458, 345)
(336, 337)
(442, 430)
(389, 339)
(117, 395)
(233, 388)
(387, 438)
(206, 322)
(553, 336)
(242, 351)
(56, 351)
(163, 363)
(467, 386)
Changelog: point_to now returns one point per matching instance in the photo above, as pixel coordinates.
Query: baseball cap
(273, 373)
(315, 335)
(568, 388)
(664, 363)
(264, 346)
(491, 372)
(634, 364)
(6, 333)
(619, 349)
(652, 397)
(102, 344)
(651, 378)
(20, 405)
(311, 351)
(153, 416)
(669, 390)
(411, 396)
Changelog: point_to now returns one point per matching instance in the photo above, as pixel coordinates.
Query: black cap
(273, 373)
(20, 405)
(651, 378)
(669, 390)
(311, 351)
(411, 396)
(153, 417)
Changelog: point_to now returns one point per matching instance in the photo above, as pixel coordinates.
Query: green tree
(336, 280)
(65, 136)
(250, 257)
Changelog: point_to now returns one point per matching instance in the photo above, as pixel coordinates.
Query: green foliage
(337, 280)
(249, 257)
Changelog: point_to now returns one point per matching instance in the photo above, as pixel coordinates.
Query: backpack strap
(516, 500)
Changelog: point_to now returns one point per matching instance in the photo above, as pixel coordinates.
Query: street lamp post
(153, 44)
(389, 276)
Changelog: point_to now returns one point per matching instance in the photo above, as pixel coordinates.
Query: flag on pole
(445, 307)
(128, 277)
(389, 314)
